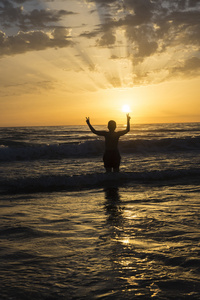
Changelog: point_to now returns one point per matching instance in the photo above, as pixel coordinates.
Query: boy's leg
(116, 161)
(108, 170)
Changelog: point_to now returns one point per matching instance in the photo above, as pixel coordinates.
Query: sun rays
(75, 56)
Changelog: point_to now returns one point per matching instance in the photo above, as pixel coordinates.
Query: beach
(70, 231)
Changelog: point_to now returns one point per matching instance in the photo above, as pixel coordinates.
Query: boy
(111, 155)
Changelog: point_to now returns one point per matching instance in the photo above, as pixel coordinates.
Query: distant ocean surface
(68, 230)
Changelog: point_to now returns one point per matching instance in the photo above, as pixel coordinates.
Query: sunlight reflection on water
(115, 243)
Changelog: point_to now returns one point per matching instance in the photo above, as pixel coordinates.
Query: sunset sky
(63, 60)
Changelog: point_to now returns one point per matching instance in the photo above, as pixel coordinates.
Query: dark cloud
(192, 64)
(33, 41)
(152, 27)
(40, 18)
(103, 2)
(193, 3)
(20, 1)
(38, 28)
(11, 15)
(141, 9)
(107, 39)
(190, 68)
(90, 34)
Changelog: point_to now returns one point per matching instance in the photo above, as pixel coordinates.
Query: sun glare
(126, 108)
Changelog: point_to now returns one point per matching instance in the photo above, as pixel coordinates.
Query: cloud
(11, 15)
(190, 68)
(159, 39)
(33, 41)
(89, 34)
(38, 28)
(18, 89)
(107, 39)
(103, 2)
(152, 29)
(20, 1)
(40, 18)
(142, 10)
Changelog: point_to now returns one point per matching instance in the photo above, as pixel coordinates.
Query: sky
(64, 60)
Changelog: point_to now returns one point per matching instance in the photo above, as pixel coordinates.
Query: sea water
(70, 231)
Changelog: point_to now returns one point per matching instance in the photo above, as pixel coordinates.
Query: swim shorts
(111, 159)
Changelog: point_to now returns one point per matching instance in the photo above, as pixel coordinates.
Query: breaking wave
(27, 151)
(45, 183)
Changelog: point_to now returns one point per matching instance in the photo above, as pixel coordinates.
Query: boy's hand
(128, 117)
(87, 120)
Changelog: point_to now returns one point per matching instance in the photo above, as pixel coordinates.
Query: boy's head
(112, 125)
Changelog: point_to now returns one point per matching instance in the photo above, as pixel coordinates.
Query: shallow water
(63, 157)
(128, 242)
(70, 231)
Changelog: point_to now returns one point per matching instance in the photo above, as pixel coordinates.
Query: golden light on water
(126, 241)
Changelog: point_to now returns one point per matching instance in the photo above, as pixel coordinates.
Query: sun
(126, 108)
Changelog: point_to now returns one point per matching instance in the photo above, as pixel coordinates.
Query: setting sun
(126, 108)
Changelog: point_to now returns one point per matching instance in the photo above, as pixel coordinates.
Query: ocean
(69, 231)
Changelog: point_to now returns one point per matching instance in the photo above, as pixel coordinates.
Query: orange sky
(61, 61)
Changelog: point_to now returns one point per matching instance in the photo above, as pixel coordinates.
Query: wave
(56, 151)
(162, 145)
(96, 180)
(95, 147)
(174, 129)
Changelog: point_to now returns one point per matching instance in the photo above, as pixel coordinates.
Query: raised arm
(127, 127)
(98, 132)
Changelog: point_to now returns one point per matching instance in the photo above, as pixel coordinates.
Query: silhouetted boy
(111, 155)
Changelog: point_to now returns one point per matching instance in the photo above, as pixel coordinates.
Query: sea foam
(95, 147)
